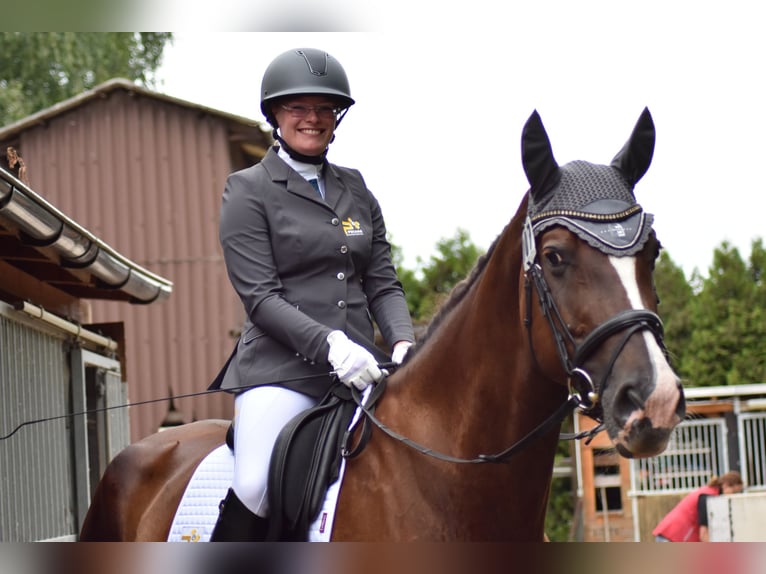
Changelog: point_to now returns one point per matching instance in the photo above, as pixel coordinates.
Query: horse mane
(461, 289)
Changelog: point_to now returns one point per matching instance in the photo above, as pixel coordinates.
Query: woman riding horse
(559, 314)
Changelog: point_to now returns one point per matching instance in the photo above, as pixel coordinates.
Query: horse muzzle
(643, 415)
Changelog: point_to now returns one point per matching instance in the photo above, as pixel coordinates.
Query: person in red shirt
(687, 522)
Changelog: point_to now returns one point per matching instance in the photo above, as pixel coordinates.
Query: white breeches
(259, 416)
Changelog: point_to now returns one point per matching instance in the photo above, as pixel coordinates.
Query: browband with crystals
(587, 216)
(620, 234)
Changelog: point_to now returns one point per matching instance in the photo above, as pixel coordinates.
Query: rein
(368, 407)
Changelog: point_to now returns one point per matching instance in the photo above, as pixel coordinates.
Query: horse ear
(635, 156)
(537, 157)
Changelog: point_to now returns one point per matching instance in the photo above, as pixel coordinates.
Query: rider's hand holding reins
(353, 364)
(400, 351)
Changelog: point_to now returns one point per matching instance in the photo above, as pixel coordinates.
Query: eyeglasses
(299, 111)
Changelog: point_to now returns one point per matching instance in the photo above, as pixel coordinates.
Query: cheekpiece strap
(528, 246)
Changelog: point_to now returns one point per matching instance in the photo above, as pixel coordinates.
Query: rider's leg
(236, 523)
(260, 414)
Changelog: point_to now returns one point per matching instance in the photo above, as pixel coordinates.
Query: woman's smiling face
(306, 123)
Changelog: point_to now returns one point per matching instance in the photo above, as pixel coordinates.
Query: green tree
(412, 285)
(758, 271)
(749, 365)
(39, 69)
(455, 258)
(561, 499)
(675, 295)
(728, 322)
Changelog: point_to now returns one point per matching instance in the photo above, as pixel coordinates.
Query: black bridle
(579, 380)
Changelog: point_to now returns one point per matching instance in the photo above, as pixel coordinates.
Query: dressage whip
(386, 367)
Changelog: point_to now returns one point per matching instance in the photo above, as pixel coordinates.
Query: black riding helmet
(304, 71)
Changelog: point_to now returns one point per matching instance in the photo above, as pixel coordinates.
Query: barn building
(146, 171)
(57, 360)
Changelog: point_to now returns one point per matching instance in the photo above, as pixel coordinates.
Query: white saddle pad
(198, 511)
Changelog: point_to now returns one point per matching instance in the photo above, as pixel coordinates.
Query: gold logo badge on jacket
(351, 227)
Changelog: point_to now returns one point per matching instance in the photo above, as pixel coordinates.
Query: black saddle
(305, 462)
(306, 459)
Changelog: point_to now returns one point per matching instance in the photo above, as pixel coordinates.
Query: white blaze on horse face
(661, 404)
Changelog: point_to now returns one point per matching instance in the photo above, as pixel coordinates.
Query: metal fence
(752, 448)
(697, 451)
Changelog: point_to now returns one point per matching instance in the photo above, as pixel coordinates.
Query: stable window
(606, 479)
(102, 432)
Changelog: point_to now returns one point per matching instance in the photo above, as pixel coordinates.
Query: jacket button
(341, 276)
(335, 221)
(344, 248)
(342, 304)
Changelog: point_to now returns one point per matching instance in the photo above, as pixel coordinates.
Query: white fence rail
(697, 451)
(752, 448)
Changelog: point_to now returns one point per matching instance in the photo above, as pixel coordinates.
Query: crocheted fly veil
(595, 202)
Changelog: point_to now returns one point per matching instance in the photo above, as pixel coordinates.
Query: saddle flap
(305, 462)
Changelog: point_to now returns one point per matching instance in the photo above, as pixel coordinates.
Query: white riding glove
(400, 351)
(353, 364)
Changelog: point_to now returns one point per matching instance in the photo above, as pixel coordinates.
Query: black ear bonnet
(596, 202)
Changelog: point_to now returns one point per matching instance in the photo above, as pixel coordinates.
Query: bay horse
(561, 310)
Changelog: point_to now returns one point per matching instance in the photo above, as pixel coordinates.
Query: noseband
(579, 380)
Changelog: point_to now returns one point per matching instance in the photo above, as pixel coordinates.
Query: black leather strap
(643, 318)
(500, 457)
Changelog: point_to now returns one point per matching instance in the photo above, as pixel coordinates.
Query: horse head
(589, 251)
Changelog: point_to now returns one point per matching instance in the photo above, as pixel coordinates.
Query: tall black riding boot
(237, 524)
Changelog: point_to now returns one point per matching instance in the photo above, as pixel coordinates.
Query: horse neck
(475, 368)
(471, 388)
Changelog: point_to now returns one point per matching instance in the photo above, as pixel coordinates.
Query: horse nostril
(636, 398)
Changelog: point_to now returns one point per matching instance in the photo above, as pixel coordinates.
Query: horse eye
(554, 258)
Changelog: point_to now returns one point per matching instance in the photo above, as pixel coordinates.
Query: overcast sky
(442, 95)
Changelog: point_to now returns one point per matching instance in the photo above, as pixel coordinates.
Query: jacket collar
(279, 171)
